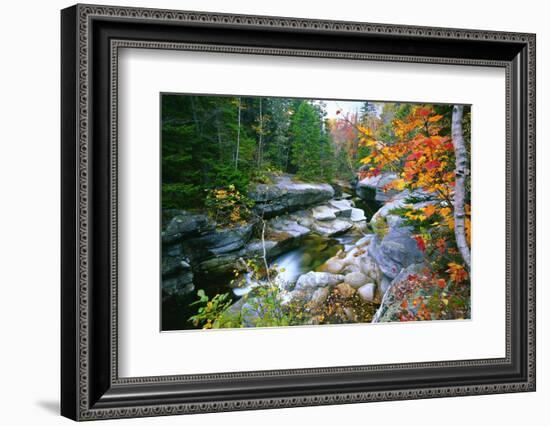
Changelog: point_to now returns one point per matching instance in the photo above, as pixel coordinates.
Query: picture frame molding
(91, 388)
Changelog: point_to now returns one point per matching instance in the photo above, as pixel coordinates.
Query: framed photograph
(263, 212)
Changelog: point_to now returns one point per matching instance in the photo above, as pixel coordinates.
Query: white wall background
(29, 212)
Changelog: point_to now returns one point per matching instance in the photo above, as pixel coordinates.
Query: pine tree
(305, 130)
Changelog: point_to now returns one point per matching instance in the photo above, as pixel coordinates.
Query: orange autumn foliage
(423, 157)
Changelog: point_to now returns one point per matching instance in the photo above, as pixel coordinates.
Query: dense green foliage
(212, 142)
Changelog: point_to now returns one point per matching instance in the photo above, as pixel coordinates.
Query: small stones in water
(370, 268)
(319, 297)
(350, 314)
(318, 279)
(345, 290)
(334, 266)
(351, 268)
(367, 292)
(356, 279)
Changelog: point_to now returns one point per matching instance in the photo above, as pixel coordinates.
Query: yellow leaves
(468, 226)
(421, 156)
(429, 210)
(235, 214)
(367, 131)
(445, 212)
(397, 184)
(421, 214)
(366, 137)
(468, 223)
(403, 128)
(435, 118)
(370, 142)
(450, 223)
(366, 160)
(220, 194)
(415, 215)
(457, 272)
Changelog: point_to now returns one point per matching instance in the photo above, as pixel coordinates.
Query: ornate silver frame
(91, 388)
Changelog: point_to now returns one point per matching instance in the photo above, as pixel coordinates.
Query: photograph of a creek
(283, 212)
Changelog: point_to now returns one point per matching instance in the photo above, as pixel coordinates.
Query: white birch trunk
(461, 173)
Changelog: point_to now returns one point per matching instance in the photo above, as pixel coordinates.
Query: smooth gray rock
(341, 187)
(179, 285)
(185, 224)
(318, 279)
(396, 251)
(334, 265)
(367, 292)
(323, 213)
(350, 268)
(369, 267)
(220, 241)
(281, 235)
(357, 215)
(288, 226)
(373, 188)
(342, 208)
(287, 195)
(174, 264)
(331, 228)
(356, 279)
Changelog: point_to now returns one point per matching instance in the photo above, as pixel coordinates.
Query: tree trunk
(218, 131)
(461, 173)
(260, 142)
(238, 134)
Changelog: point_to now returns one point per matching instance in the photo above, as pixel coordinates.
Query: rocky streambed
(334, 262)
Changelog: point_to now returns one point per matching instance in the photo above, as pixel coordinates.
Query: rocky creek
(325, 240)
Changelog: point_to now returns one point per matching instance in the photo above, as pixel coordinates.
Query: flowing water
(312, 252)
(309, 256)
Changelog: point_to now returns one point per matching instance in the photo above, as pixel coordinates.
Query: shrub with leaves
(264, 308)
(228, 207)
(210, 309)
(380, 227)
